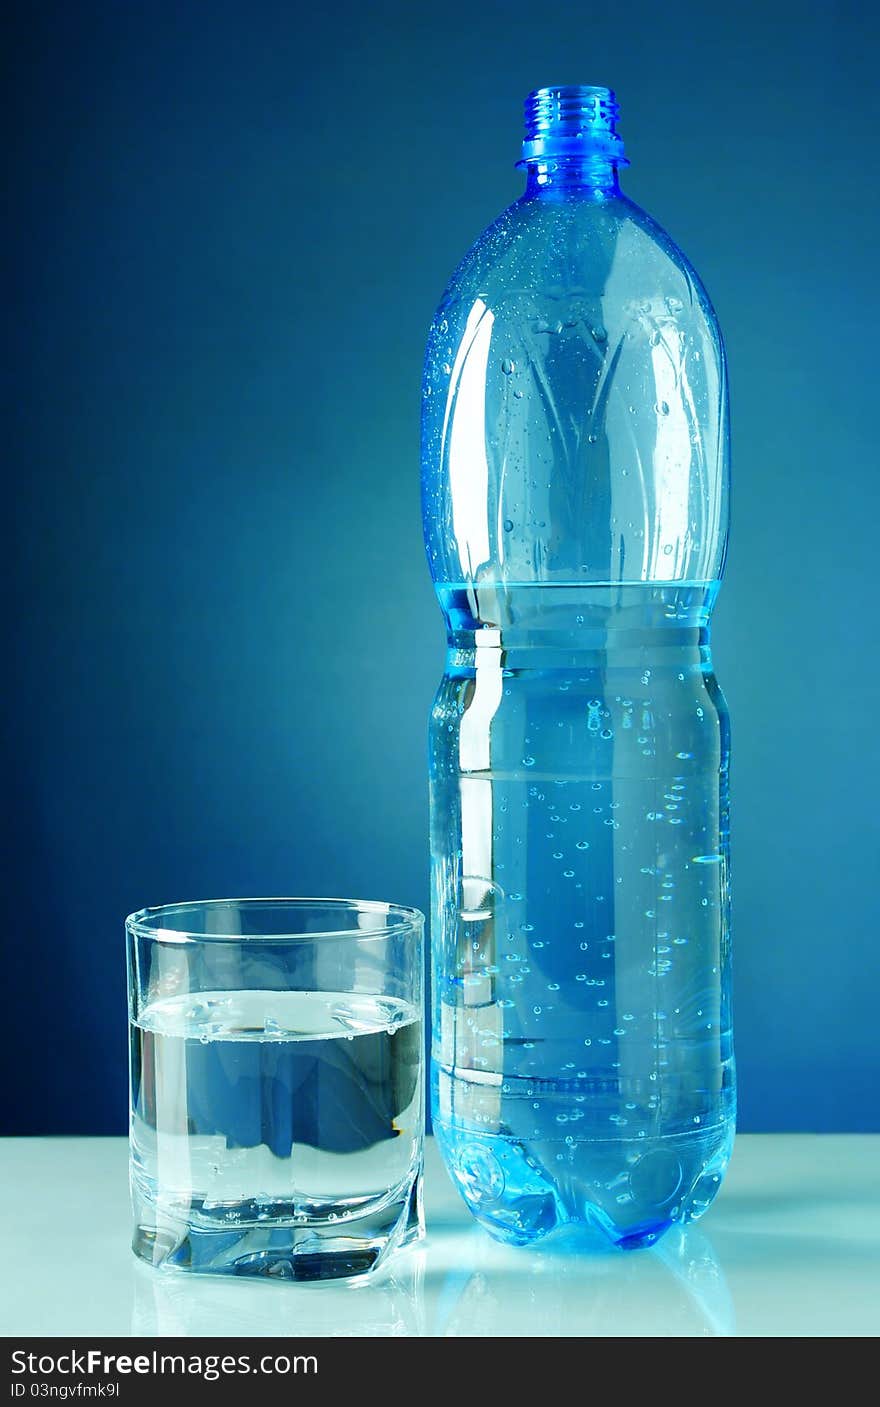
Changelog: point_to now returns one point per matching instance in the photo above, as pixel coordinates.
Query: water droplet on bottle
(508, 367)
(508, 525)
(663, 407)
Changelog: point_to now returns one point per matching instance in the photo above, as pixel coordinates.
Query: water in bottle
(575, 488)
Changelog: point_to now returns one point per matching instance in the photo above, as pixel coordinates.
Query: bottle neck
(571, 146)
(592, 178)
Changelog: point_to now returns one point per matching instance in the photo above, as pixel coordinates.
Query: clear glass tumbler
(277, 1105)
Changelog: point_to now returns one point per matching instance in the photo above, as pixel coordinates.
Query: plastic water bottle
(575, 488)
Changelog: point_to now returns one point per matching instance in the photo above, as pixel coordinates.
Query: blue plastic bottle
(575, 489)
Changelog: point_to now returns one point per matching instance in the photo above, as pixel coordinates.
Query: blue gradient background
(231, 223)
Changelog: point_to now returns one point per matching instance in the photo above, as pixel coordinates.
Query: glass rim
(144, 923)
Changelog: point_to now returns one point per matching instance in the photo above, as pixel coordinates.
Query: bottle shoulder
(562, 247)
(574, 405)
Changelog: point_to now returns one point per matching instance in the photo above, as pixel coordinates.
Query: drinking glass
(277, 1106)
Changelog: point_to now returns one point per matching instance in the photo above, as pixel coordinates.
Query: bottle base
(630, 1194)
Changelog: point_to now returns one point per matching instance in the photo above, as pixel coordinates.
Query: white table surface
(790, 1248)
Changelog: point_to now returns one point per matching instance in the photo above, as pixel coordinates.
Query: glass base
(284, 1249)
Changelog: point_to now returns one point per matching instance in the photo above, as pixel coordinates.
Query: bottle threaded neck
(575, 121)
